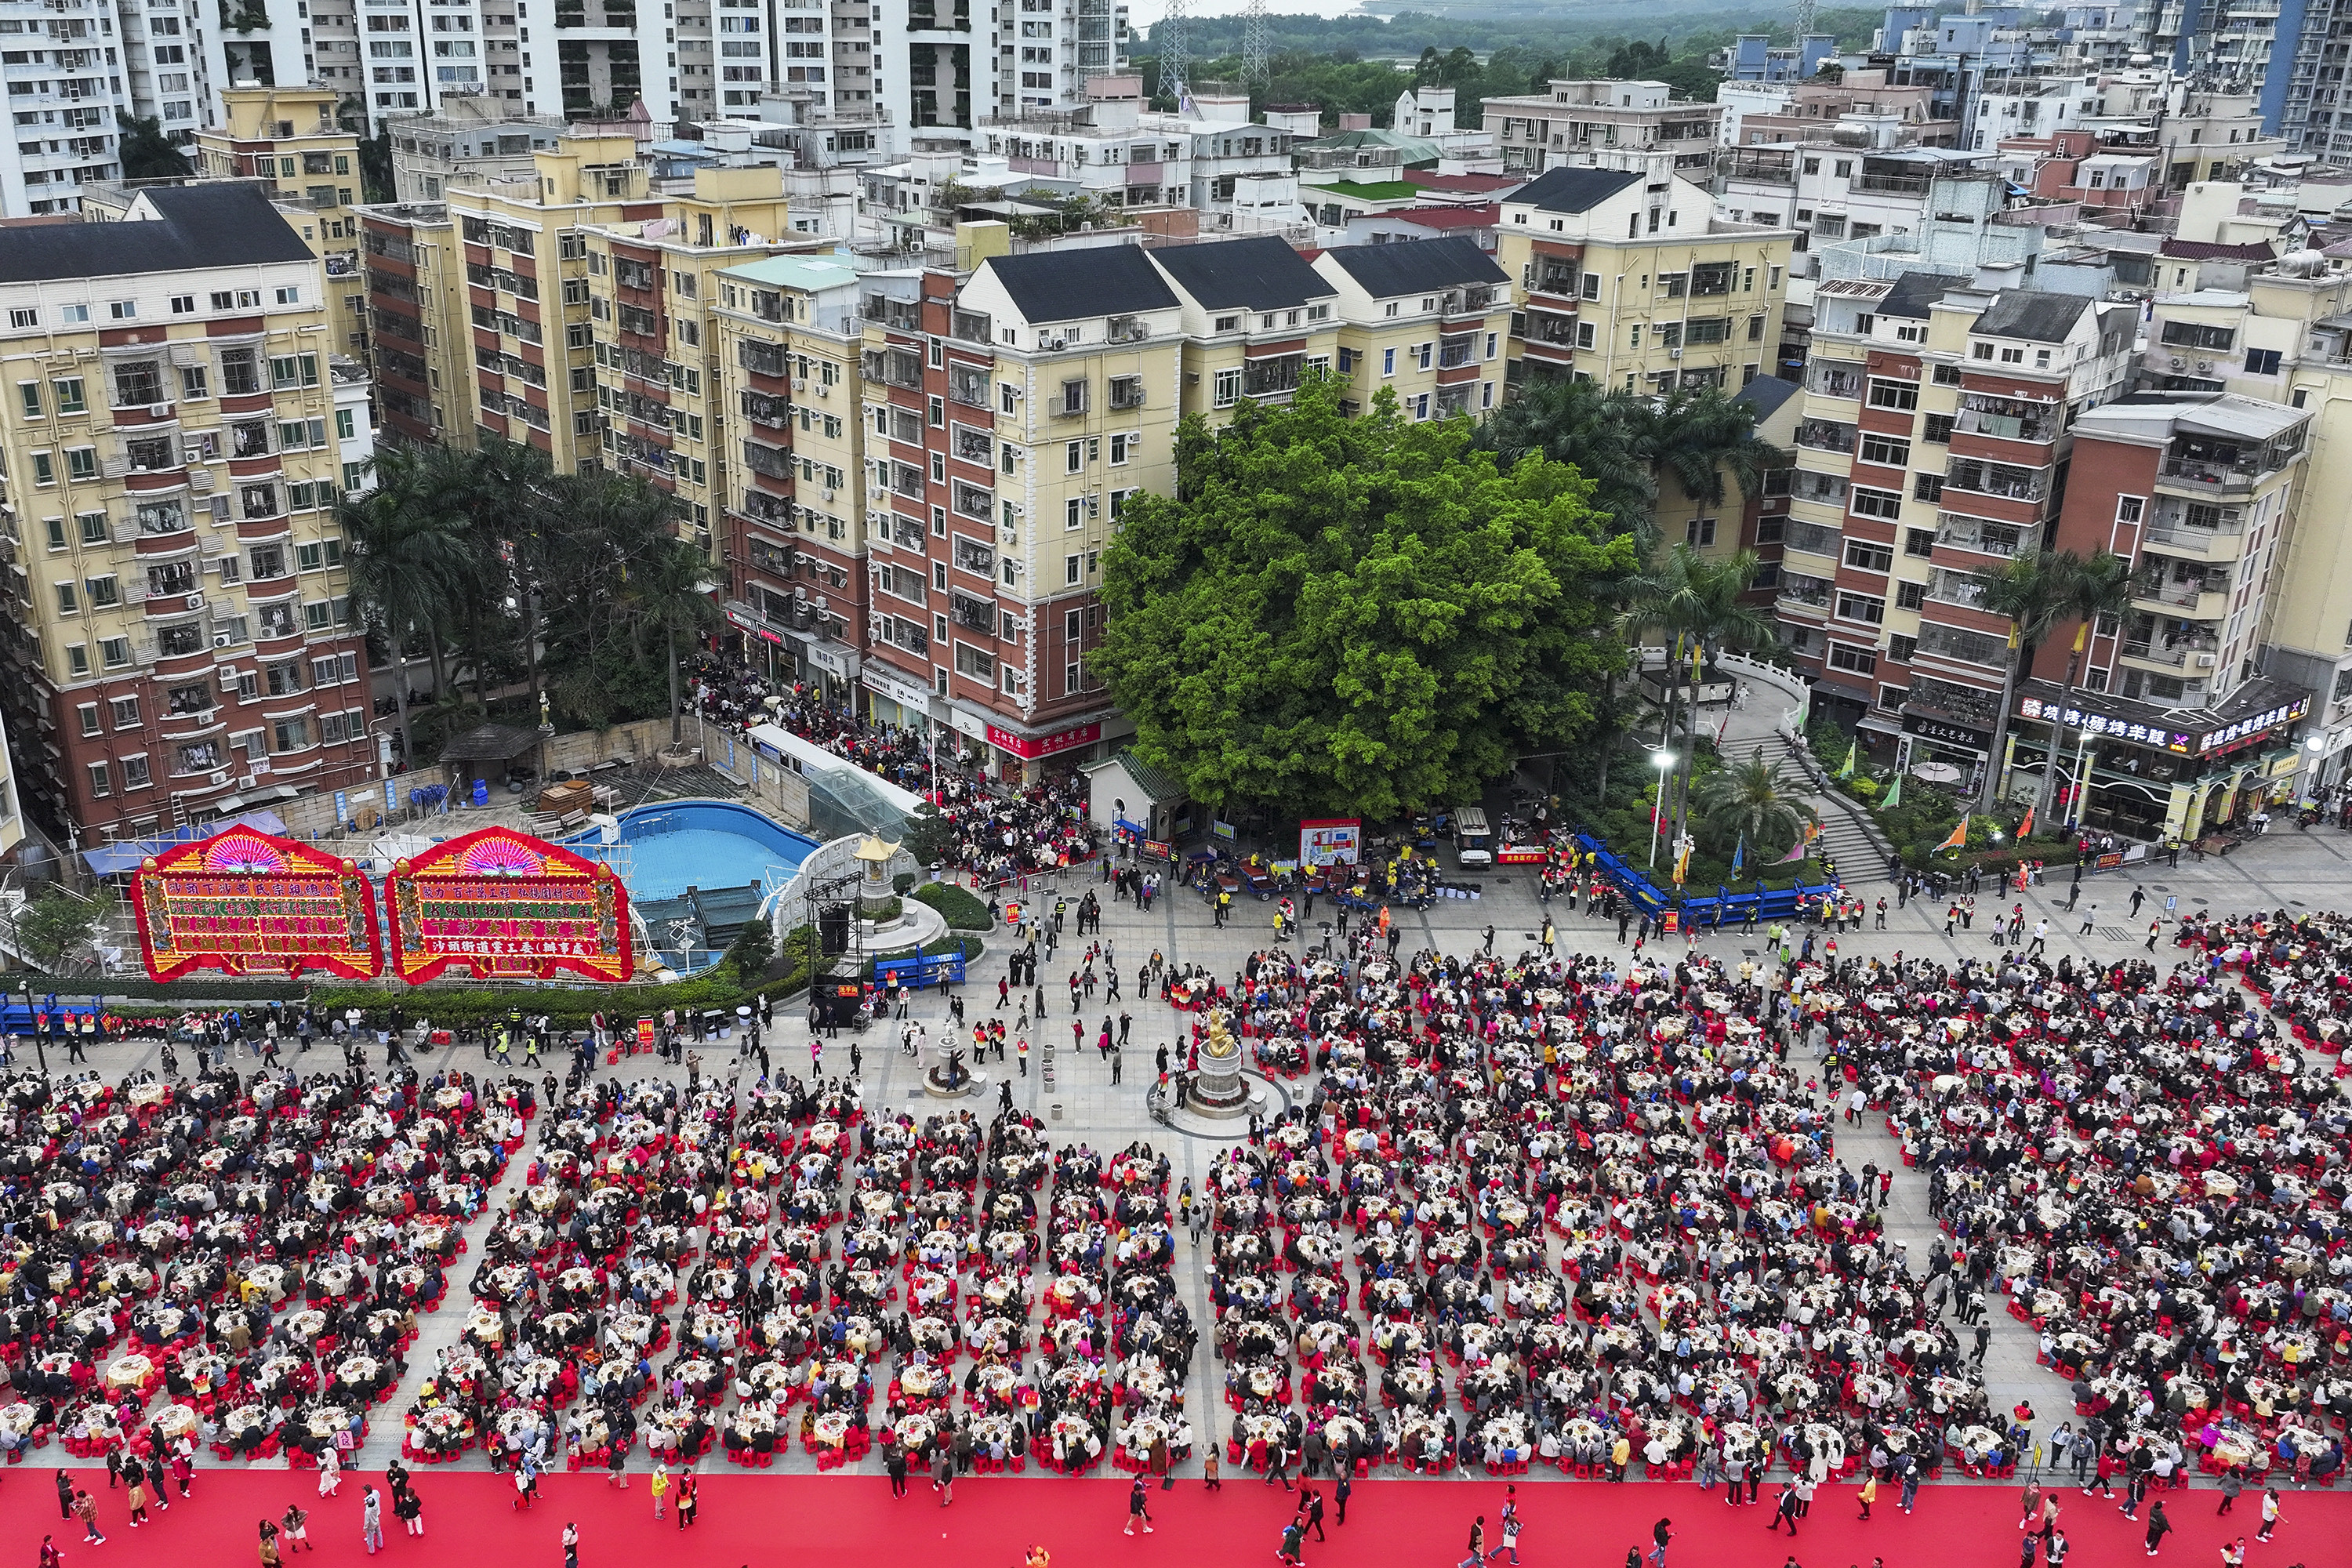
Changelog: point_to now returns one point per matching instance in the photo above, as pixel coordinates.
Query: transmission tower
(1174, 37)
(1805, 23)
(1253, 43)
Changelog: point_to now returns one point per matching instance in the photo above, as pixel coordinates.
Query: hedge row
(960, 906)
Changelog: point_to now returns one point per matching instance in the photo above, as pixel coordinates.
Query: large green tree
(1361, 616)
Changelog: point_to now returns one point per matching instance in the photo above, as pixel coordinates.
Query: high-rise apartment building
(63, 93)
(180, 637)
(654, 296)
(1008, 421)
(792, 334)
(1936, 425)
(950, 65)
(2173, 727)
(1633, 279)
(289, 137)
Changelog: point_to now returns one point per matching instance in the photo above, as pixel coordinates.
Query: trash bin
(1057, 1110)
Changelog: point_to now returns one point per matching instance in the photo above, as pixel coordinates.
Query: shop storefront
(2159, 775)
(895, 699)
(1020, 754)
(1943, 751)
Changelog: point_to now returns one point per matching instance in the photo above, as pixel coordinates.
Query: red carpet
(844, 1522)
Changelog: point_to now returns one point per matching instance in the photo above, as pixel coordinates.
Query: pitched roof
(1417, 265)
(1071, 285)
(2209, 250)
(1574, 190)
(1256, 274)
(1765, 394)
(2033, 314)
(1914, 293)
(193, 228)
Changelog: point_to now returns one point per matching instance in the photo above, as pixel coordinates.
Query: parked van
(1473, 845)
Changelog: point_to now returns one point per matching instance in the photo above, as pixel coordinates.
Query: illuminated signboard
(2100, 724)
(246, 903)
(506, 905)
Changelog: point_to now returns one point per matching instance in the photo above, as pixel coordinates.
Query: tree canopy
(1363, 615)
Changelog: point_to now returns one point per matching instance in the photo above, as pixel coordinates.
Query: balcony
(2210, 479)
(1559, 285)
(1826, 436)
(1804, 595)
(1466, 302)
(1836, 381)
(2173, 654)
(2186, 601)
(1892, 184)
(2175, 534)
(2002, 484)
(1984, 538)
(2007, 427)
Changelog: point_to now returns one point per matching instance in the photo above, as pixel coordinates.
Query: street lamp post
(1663, 762)
(39, 1050)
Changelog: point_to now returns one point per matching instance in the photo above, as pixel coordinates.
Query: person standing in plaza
(1663, 1534)
(570, 1546)
(371, 1521)
(2270, 1513)
(659, 1485)
(1138, 1506)
(1345, 1486)
(294, 1529)
(85, 1508)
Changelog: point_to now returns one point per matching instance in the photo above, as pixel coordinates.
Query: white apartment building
(64, 88)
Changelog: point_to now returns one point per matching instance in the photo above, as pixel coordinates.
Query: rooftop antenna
(1253, 43)
(1174, 37)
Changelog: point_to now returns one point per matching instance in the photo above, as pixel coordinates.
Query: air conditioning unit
(822, 390)
(1674, 354)
(2204, 364)
(1059, 344)
(2178, 363)
(158, 410)
(800, 384)
(220, 640)
(219, 775)
(2204, 661)
(828, 495)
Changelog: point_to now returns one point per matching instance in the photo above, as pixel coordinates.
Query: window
(81, 463)
(44, 468)
(1388, 362)
(125, 713)
(1927, 487)
(1877, 503)
(105, 592)
(2261, 361)
(1948, 376)
(1886, 393)
(1936, 429)
(28, 393)
(1869, 557)
(1859, 660)
(68, 598)
(1070, 566)
(1892, 451)
(100, 780)
(87, 714)
(2128, 508)
(1700, 532)
(1860, 608)
(1910, 595)
(1228, 387)
(20, 320)
(1919, 541)
(114, 652)
(2195, 335)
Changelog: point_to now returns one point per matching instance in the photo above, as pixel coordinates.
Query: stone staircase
(1847, 832)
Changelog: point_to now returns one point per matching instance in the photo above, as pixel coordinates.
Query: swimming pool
(665, 849)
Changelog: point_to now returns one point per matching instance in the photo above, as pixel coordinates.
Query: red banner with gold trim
(247, 902)
(508, 906)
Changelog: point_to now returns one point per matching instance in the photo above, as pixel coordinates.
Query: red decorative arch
(248, 903)
(508, 906)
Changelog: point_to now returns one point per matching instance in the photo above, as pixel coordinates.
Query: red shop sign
(1044, 745)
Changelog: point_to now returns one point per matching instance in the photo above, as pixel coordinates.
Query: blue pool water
(703, 844)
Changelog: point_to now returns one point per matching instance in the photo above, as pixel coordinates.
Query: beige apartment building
(180, 637)
(1634, 281)
(652, 297)
(289, 137)
(790, 337)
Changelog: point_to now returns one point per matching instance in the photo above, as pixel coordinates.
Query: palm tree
(1751, 800)
(2031, 591)
(407, 559)
(1697, 602)
(1604, 433)
(2095, 588)
(670, 594)
(1701, 439)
